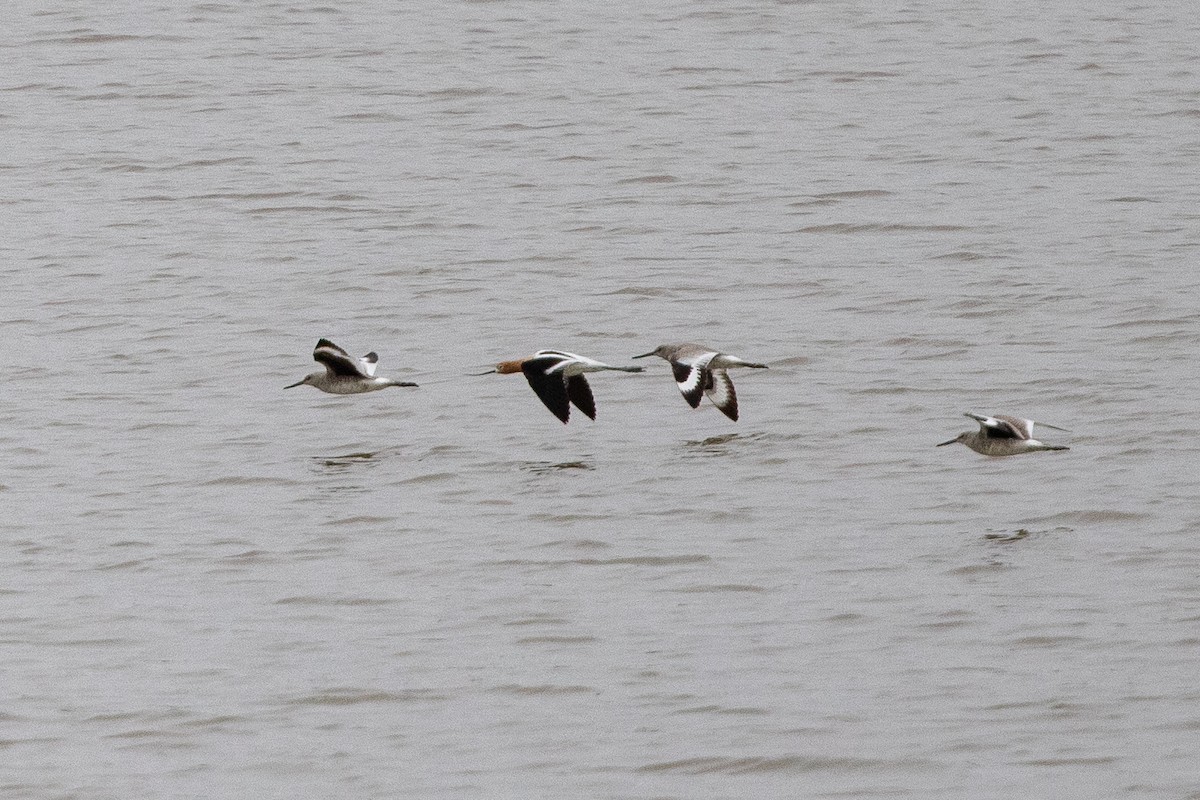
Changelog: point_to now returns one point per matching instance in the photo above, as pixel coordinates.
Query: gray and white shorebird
(345, 374)
(1003, 435)
(557, 378)
(700, 371)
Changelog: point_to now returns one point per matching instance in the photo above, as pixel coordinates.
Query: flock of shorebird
(558, 380)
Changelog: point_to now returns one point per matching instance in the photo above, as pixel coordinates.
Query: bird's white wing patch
(570, 363)
(548, 362)
(689, 377)
(1021, 428)
(368, 362)
(700, 360)
(336, 361)
(722, 394)
(691, 381)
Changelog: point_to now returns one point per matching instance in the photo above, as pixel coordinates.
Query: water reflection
(346, 461)
(1020, 534)
(544, 467)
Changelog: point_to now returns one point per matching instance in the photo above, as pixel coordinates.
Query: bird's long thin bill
(477, 374)
(294, 385)
(644, 355)
(943, 444)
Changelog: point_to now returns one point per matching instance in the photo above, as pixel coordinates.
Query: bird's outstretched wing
(549, 384)
(337, 360)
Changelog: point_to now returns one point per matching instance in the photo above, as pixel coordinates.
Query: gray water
(212, 588)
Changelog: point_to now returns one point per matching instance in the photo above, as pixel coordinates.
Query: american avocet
(557, 378)
(344, 374)
(1003, 435)
(700, 370)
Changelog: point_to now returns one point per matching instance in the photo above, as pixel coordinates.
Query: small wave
(431, 477)
(720, 587)
(136, 564)
(1049, 641)
(1175, 323)
(645, 561)
(1071, 762)
(215, 722)
(310, 600)
(250, 556)
(1095, 517)
(460, 91)
(580, 544)
(643, 291)
(735, 711)
(370, 117)
(962, 255)
(544, 467)
(262, 210)
(880, 227)
(753, 765)
(259, 196)
(360, 520)
(850, 76)
(635, 561)
(247, 480)
(545, 689)
(218, 162)
(979, 569)
(112, 38)
(712, 441)
(540, 619)
(853, 194)
(648, 179)
(340, 696)
(567, 518)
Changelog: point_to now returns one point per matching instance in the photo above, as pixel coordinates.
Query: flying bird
(557, 378)
(700, 371)
(1003, 435)
(345, 374)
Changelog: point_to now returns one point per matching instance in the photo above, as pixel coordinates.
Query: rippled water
(212, 587)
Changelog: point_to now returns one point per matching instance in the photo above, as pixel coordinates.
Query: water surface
(214, 587)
